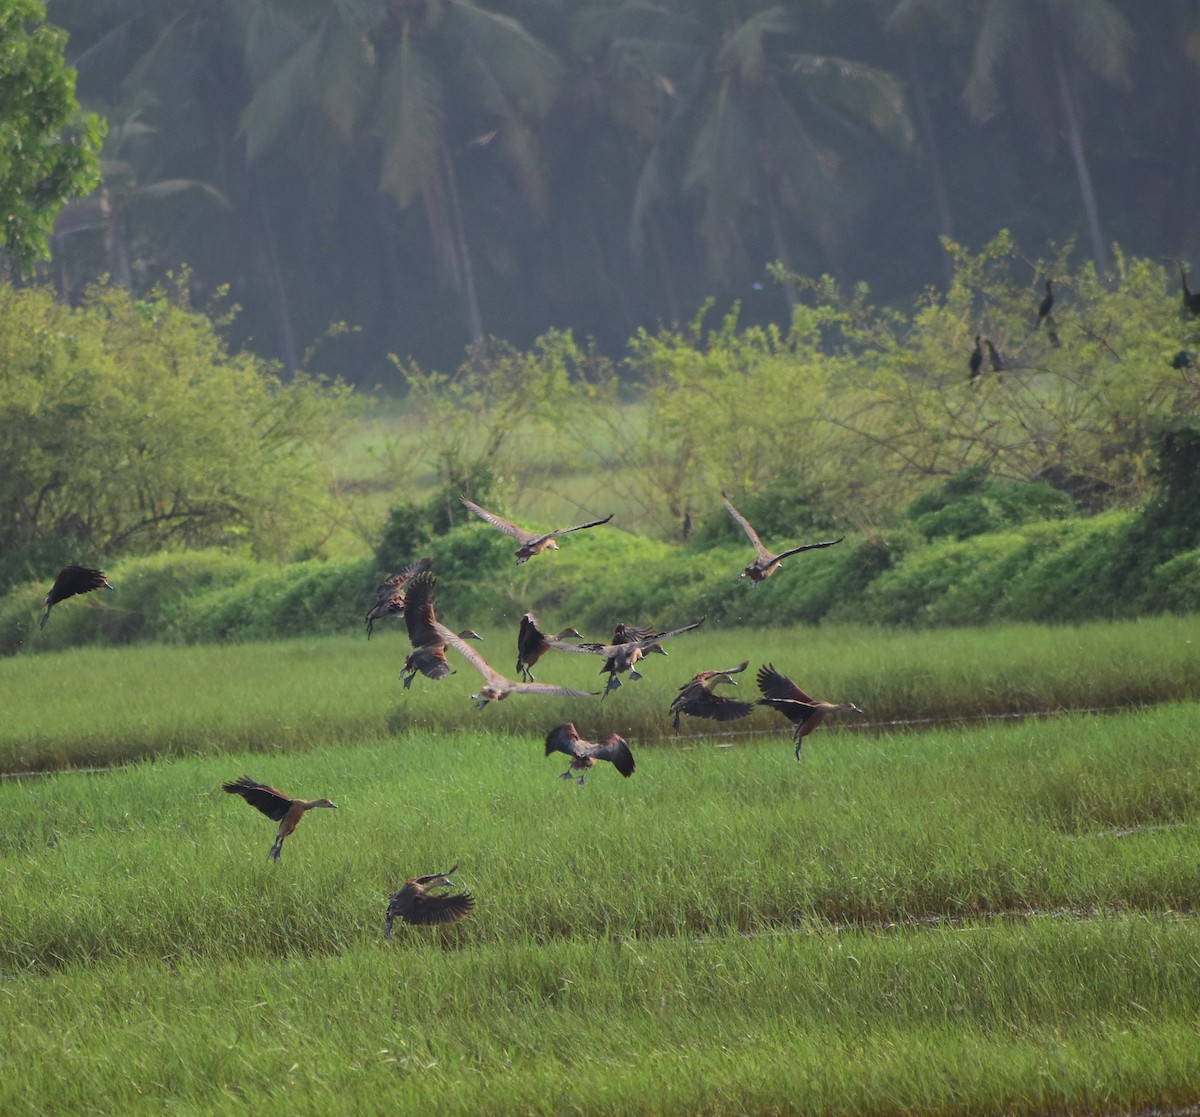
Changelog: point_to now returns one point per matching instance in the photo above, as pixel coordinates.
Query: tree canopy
(48, 149)
(127, 425)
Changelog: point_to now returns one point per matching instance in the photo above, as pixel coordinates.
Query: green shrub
(974, 502)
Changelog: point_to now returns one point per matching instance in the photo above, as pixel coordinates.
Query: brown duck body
(802, 710)
(532, 644)
(416, 902)
(767, 562)
(390, 596)
(696, 697)
(276, 806)
(531, 542)
(621, 658)
(429, 645)
(584, 754)
(72, 580)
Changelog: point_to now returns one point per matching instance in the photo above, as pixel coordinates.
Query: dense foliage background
(436, 171)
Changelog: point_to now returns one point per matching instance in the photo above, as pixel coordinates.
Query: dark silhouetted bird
(1183, 359)
(415, 902)
(276, 806)
(976, 362)
(389, 597)
(1191, 299)
(1046, 305)
(803, 711)
(623, 657)
(429, 648)
(533, 643)
(766, 563)
(70, 581)
(584, 754)
(696, 697)
(994, 357)
(532, 543)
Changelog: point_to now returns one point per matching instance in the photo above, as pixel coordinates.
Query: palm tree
(415, 82)
(741, 132)
(1050, 47)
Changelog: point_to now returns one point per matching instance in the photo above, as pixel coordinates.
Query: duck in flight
(531, 542)
(70, 581)
(621, 658)
(276, 806)
(584, 754)
(417, 902)
(389, 597)
(803, 711)
(766, 562)
(697, 700)
(429, 648)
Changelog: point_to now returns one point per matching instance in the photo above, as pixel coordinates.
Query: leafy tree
(127, 426)
(48, 149)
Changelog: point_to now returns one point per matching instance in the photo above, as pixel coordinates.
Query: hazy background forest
(430, 172)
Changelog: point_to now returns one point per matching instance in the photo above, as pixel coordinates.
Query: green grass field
(982, 917)
(99, 706)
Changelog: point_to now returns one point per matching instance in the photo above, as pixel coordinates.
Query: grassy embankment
(981, 920)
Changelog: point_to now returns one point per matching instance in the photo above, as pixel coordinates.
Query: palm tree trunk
(1079, 158)
(470, 299)
(933, 153)
(283, 313)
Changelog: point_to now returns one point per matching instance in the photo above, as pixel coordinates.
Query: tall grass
(966, 920)
(95, 706)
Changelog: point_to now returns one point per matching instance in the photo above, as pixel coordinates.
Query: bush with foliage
(128, 426)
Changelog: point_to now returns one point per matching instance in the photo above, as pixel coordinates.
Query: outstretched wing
(548, 688)
(274, 804)
(751, 534)
(616, 750)
(453, 640)
(808, 547)
(700, 702)
(70, 581)
(506, 526)
(674, 632)
(565, 738)
(577, 527)
(588, 647)
(629, 634)
(419, 615)
(779, 688)
(414, 906)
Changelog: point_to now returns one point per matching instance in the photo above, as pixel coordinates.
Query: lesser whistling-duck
(766, 563)
(416, 903)
(531, 542)
(696, 697)
(429, 648)
(496, 687)
(389, 597)
(533, 643)
(584, 754)
(802, 710)
(70, 581)
(620, 658)
(276, 806)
